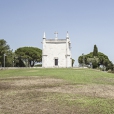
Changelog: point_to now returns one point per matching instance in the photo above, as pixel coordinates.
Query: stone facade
(56, 53)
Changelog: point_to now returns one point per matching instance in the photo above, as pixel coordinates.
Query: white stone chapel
(56, 53)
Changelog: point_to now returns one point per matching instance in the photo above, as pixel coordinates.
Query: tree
(28, 56)
(80, 59)
(95, 51)
(73, 62)
(110, 66)
(96, 61)
(93, 62)
(10, 58)
(5, 49)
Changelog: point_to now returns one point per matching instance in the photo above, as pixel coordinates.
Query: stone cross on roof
(56, 34)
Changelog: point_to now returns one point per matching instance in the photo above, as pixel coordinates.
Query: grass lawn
(56, 91)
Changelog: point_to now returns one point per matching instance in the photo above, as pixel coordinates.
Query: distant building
(56, 52)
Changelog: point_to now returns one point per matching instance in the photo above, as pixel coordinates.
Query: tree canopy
(95, 51)
(28, 56)
(73, 62)
(5, 50)
(95, 59)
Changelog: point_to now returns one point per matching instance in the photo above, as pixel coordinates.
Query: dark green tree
(110, 66)
(96, 61)
(28, 56)
(10, 58)
(5, 49)
(95, 51)
(73, 62)
(80, 59)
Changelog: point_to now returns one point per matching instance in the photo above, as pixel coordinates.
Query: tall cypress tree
(95, 51)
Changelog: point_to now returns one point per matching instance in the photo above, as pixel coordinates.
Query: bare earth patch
(36, 81)
(105, 91)
(38, 95)
(96, 90)
(58, 85)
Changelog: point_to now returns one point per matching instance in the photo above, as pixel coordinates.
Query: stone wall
(56, 49)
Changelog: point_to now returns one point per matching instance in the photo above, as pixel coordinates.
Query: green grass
(89, 105)
(72, 75)
(63, 103)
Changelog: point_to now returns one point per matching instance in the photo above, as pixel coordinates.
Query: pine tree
(95, 51)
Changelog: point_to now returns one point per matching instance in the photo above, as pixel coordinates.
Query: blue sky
(89, 22)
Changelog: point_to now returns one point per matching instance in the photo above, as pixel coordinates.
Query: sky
(88, 22)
